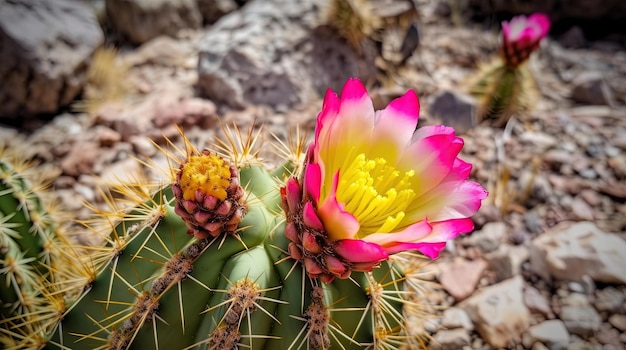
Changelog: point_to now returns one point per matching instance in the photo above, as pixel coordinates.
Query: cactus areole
(232, 255)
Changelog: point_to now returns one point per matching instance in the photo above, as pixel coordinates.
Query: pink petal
(313, 180)
(294, 193)
(447, 230)
(432, 158)
(413, 233)
(463, 201)
(351, 127)
(542, 21)
(397, 122)
(358, 251)
(330, 108)
(339, 223)
(309, 215)
(431, 250)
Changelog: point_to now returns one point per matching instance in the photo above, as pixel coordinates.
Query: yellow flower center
(208, 173)
(376, 193)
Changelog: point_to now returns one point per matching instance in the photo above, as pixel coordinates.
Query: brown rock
(460, 277)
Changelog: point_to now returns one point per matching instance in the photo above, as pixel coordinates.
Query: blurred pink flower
(522, 35)
(374, 186)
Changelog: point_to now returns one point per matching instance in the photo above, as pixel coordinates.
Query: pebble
(455, 317)
(452, 339)
(610, 299)
(460, 277)
(552, 333)
(581, 320)
(618, 321)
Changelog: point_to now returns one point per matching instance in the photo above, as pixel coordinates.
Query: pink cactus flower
(522, 35)
(373, 185)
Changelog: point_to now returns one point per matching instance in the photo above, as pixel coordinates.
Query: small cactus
(505, 86)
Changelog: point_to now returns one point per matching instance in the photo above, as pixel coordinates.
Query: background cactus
(156, 285)
(35, 254)
(502, 90)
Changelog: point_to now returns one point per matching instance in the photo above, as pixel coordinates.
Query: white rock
(507, 261)
(456, 318)
(552, 333)
(450, 339)
(498, 312)
(581, 249)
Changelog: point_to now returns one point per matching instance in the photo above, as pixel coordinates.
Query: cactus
(231, 254)
(502, 91)
(35, 254)
(163, 281)
(506, 86)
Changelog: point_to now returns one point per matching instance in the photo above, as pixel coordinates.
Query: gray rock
(275, 52)
(489, 238)
(535, 301)
(507, 261)
(45, 47)
(580, 320)
(582, 249)
(454, 109)
(591, 88)
(142, 20)
(553, 333)
(451, 339)
(610, 299)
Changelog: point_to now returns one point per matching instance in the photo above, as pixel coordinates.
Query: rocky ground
(544, 268)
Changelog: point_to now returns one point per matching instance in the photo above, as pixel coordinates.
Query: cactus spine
(163, 283)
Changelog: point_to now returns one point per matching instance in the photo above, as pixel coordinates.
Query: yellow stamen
(376, 193)
(208, 173)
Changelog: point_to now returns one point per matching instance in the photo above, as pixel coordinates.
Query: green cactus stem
(502, 91)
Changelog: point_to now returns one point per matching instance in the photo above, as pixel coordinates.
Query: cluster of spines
(37, 259)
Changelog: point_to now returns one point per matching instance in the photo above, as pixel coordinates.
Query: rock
(489, 237)
(610, 299)
(552, 333)
(580, 320)
(507, 261)
(498, 312)
(451, 339)
(212, 10)
(535, 301)
(454, 109)
(581, 210)
(45, 48)
(275, 53)
(581, 249)
(590, 88)
(618, 321)
(142, 20)
(460, 277)
(81, 158)
(455, 317)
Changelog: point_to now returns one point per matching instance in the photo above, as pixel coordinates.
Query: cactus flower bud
(372, 186)
(208, 195)
(521, 36)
